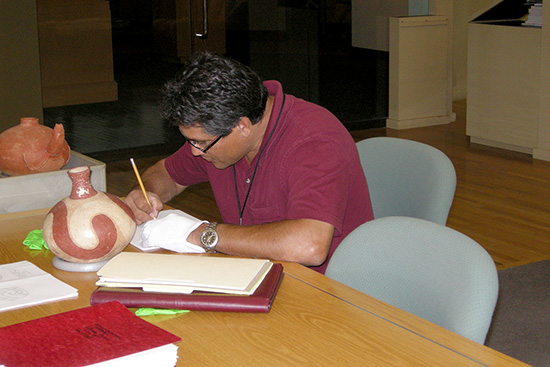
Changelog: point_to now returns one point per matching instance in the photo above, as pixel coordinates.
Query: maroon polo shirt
(310, 168)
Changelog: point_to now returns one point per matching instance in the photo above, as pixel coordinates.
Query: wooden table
(314, 321)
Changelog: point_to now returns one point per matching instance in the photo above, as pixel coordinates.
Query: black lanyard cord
(241, 210)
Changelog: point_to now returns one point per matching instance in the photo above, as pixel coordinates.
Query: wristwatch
(209, 238)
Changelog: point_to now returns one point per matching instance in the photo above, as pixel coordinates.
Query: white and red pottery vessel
(88, 227)
(33, 148)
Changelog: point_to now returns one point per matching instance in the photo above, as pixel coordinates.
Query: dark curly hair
(213, 92)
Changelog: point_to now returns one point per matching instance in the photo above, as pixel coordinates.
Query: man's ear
(244, 126)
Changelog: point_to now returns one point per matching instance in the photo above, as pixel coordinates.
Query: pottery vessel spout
(57, 142)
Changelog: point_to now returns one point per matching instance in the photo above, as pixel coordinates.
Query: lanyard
(241, 210)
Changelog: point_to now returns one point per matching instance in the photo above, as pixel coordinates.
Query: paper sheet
(23, 284)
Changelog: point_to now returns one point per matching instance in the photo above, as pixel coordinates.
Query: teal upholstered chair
(424, 268)
(407, 178)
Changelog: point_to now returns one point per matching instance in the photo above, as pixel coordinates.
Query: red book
(259, 301)
(80, 337)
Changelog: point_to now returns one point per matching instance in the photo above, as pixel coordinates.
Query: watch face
(209, 238)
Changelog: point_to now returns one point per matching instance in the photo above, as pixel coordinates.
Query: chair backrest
(422, 267)
(407, 178)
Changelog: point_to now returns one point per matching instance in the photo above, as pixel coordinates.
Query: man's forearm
(156, 179)
(305, 241)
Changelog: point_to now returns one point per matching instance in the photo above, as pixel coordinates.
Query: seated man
(285, 173)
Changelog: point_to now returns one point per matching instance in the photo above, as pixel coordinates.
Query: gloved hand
(170, 231)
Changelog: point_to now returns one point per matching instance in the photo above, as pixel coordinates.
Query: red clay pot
(33, 148)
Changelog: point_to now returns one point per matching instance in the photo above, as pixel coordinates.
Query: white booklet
(24, 284)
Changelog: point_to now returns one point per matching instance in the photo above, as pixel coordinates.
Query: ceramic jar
(33, 148)
(88, 226)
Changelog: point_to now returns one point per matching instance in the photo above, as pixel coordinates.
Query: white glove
(170, 231)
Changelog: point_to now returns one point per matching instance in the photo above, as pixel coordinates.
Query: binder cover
(80, 337)
(260, 301)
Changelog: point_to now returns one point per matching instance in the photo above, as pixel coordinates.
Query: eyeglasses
(194, 144)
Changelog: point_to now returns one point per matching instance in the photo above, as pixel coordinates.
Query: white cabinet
(508, 66)
(420, 82)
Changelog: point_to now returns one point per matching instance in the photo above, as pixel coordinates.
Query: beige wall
(463, 11)
(460, 42)
(20, 93)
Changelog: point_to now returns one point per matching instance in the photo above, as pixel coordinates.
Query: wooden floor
(502, 198)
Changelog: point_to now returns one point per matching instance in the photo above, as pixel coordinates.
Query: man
(285, 173)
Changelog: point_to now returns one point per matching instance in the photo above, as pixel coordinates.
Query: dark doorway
(305, 44)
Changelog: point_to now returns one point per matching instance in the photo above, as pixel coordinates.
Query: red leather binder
(81, 337)
(260, 301)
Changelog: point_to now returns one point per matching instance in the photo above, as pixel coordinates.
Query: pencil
(140, 182)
